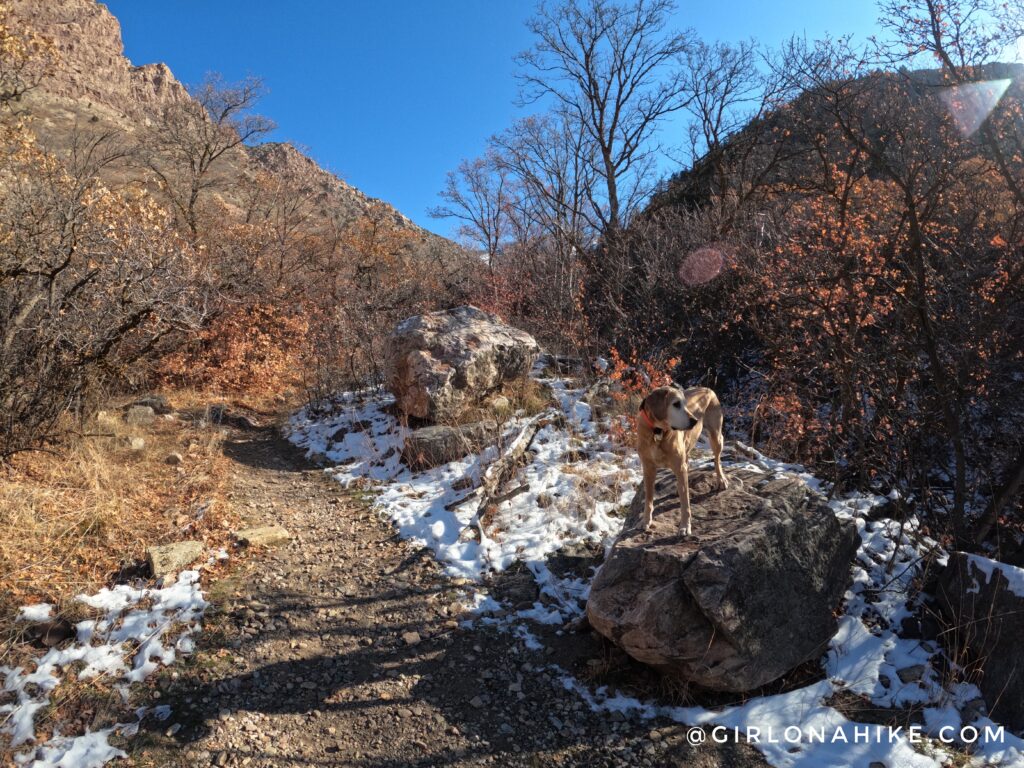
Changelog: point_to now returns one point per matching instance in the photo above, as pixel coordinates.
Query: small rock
(911, 674)
(477, 702)
(139, 415)
(106, 418)
(411, 638)
(158, 403)
(55, 632)
(170, 558)
(136, 444)
(174, 459)
(263, 536)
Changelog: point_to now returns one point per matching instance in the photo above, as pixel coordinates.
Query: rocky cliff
(94, 84)
(93, 68)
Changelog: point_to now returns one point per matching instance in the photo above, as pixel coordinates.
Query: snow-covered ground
(134, 632)
(575, 501)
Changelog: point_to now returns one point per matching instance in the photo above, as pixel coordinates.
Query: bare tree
(553, 163)
(91, 281)
(192, 136)
(959, 34)
(965, 37)
(615, 69)
(735, 144)
(479, 194)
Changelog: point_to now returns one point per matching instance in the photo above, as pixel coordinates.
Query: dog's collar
(658, 431)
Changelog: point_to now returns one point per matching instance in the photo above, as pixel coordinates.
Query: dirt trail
(343, 648)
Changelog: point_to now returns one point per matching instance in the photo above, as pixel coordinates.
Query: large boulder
(440, 362)
(983, 602)
(745, 600)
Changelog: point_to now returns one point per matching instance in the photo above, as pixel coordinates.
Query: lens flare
(701, 265)
(971, 104)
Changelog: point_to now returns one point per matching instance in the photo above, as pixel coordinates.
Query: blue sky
(391, 94)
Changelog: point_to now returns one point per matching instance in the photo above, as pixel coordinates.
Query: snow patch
(139, 629)
(37, 612)
(1014, 576)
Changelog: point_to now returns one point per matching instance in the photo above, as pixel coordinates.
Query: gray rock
(411, 638)
(263, 536)
(171, 558)
(139, 415)
(174, 459)
(439, 362)
(222, 414)
(984, 612)
(912, 674)
(432, 446)
(160, 404)
(746, 600)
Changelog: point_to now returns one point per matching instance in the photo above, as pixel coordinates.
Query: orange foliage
(633, 378)
(250, 349)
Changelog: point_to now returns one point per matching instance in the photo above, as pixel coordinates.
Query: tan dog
(668, 425)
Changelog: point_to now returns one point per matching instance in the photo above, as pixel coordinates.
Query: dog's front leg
(650, 473)
(683, 486)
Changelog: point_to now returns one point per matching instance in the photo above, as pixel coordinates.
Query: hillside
(95, 88)
(779, 141)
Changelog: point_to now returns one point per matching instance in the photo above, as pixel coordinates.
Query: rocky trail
(344, 647)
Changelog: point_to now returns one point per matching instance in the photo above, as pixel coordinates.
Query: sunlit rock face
(439, 363)
(92, 64)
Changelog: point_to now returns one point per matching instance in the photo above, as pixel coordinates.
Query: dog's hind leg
(715, 438)
(713, 421)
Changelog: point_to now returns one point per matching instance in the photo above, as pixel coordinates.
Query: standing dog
(669, 423)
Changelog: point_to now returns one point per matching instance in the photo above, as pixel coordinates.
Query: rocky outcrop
(440, 362)
(92, 66)
(94, 81)
(983, 603)
(745, 600)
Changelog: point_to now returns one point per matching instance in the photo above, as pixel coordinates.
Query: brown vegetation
(841, 259)
(69, 522)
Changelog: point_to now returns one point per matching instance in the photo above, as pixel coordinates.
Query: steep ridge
(95, 87)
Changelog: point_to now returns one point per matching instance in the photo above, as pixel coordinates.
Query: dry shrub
(632, 378)
(250, 349)
(70, 522)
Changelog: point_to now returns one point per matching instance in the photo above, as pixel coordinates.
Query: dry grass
(527, 396)
(70, 521)
(73, 521)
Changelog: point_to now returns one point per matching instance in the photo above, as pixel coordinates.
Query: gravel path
(343, 648)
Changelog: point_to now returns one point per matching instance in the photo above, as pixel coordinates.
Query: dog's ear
(654, 404)
(643, 404)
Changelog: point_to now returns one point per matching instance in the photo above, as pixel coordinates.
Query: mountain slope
(95, 87)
